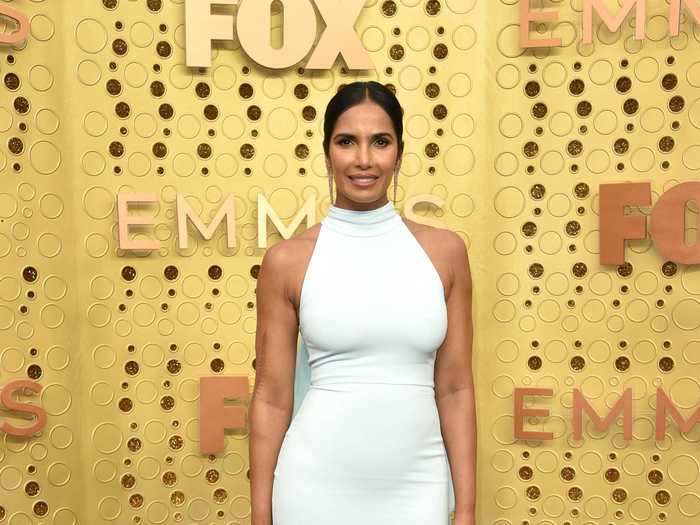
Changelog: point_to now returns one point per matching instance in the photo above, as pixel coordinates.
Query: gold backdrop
(99, 100)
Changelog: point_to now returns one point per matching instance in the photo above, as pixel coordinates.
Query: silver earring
(396, 176)
(330, 187)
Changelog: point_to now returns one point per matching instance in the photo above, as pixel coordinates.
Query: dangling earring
(396, 176)
(330, 187)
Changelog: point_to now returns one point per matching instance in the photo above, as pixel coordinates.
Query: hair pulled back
(356, 93)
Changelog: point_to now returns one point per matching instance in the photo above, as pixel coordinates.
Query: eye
(383, 140)
(344, 140)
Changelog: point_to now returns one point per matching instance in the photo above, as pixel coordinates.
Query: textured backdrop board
(515, 141)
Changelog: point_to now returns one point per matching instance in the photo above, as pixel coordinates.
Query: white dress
(365, 447)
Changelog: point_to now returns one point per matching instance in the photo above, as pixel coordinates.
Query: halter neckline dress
(365, 447)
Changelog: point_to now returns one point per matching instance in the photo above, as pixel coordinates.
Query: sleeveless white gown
(365, 447)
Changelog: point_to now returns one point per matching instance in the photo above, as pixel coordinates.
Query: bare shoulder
(288, 259)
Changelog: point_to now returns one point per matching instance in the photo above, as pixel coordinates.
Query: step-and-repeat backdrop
(151, 150)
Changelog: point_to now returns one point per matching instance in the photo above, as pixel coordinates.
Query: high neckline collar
(362, 222)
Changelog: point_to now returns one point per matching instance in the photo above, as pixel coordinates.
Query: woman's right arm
(270, 406)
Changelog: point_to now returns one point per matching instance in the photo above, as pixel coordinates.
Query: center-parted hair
(356, 93)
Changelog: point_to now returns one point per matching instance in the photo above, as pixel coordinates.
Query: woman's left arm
(454, 385)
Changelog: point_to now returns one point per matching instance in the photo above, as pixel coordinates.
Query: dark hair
(356, 93)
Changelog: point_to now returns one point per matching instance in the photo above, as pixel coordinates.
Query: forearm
(268, 425)
(458, 424)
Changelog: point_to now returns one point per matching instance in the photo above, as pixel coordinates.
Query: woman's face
(362, 156)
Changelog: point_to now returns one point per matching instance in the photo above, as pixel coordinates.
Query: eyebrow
(381, 134)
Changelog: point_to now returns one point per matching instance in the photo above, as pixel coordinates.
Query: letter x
(340, 36)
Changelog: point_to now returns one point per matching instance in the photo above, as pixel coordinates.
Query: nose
(364, 156)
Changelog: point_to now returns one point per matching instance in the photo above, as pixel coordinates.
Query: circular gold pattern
(247, 151)
(577, 363)
(432, 150)
(623, 84)
(245, 90)
(579, 269)
(666, 364)
(655, 476)
(11, 81)
(396, 52)
(669, 268)
(154, 5)
(533, 492)
(215, 272)
(577, 86)
(128, 481)
(621, 146)
(253, 112)
(573, 228)
(136, 500)
(432, 90)
(157, 88)
(612, 475)
(169, 478)
(166, 111)
(630, 106)
(30, 274)
(15, 145)
(525, 473)
(662, 497)
(534, 362)
(676, 104)
(532, 88)
(204, 150)
(308, 113)
(301, 91)
(622, 363)
(432, 7)
(202, 89)
(584, 108)
(211, 112)
(625, 270)
(160, 150)
(134, 444)
(170, 272)
(114, 87)
(529, 229)
(21, 105)
(389, 8)
(167, 402)
(536, 270)
(173, 366)
(217, 365)
(666, 144)
(32, 488)
(440, 111)
(212, 475)
(575, 493)
(128, 273)
(122, 109)
(568, 473)
(176, 442)
(575, 147)
(539, 110)
(537, 191)
(164, 49)
(531, 149)
(40, 508)
(126, 404)
(440, 51)
(619, 495)
(131, 368)
(669, 82)
(220, 495)
(119, 46)
(177, 497)
(301, 151)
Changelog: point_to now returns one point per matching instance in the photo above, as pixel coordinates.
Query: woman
(383, 305)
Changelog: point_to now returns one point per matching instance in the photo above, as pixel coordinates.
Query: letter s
(7, 400)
